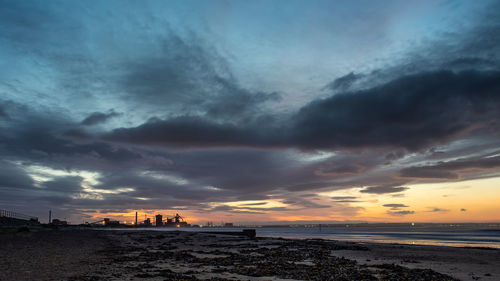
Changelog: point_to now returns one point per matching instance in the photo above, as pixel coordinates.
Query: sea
(457, 235)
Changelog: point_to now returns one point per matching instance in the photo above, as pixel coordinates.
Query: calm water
(479, 236)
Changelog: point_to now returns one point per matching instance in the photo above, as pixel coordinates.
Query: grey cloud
(395, 206)
(22, 21)
(66, 185)
(345, 199)
(304, 203)
(406, 112)
(401, 213)
(341, 169)
(226, 208)
(255, 204)
(308, 195)
(383, 189)
(463, 210)
(438, 210)
(427, 172)
(187, 76)
(394, 155)
(98, 117)
(343, 83)
(452, 169)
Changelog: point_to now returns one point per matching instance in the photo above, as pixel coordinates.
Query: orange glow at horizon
(466, 201)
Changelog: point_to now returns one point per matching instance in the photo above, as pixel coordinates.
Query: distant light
(178, 225)
(412, 224)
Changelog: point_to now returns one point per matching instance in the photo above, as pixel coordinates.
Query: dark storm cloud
(383, 189)
(468, 62)
(481, 41)
(189, 132)
(239, 174)
(452, 169)
(407, 112)
(3, 113)
(98, 117)
(36, 135)
(65, 184)
(12, 176)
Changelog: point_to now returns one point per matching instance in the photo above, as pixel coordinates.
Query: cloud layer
(111, 107)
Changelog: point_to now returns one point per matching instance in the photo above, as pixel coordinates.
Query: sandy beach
(177, 255)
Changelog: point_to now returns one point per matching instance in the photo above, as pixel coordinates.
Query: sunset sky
(251, 111)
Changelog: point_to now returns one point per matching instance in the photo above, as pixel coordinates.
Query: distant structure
(108, 222)
(58, 222)
(50, 216)
(176, 221)
(228, 224)
(159, 220)
(16, 219)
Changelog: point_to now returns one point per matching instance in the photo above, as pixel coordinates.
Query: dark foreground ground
(153, 255)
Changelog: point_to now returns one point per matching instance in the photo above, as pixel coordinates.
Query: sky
(251, 111)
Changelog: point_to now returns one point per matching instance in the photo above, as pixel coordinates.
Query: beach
(84, 254)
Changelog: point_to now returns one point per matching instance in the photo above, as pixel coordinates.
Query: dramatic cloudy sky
(251, 111)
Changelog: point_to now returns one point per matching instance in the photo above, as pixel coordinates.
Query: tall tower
(135, 218)
(159, 220)
(50, 216)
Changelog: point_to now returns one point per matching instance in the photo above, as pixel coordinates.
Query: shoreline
(391, 237)
(85, 254)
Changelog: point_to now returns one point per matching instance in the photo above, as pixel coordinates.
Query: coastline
(76, 254)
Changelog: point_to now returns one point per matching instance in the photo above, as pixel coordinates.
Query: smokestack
(50, 216)
(135, 218)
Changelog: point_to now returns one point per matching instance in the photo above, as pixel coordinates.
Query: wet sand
(48, 254)
(177, 255)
